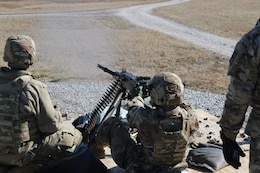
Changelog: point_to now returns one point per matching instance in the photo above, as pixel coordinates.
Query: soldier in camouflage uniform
(243, 91)
(164, 130)
(30, 127)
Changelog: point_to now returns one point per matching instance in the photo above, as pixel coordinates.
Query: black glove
(231, 151)
(80, 121)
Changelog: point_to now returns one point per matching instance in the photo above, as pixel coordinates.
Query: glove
(80, 121)
(231, 151)
(136, 101)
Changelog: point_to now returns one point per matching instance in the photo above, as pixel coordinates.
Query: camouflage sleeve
(138, 115)
(243, 71)
(134, 115)
(36, 101)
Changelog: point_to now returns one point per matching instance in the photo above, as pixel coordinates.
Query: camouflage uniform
(163, 131)
(244, 91)
(30, 127)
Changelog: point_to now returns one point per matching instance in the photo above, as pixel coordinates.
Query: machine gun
(125, 86)
(132, 85)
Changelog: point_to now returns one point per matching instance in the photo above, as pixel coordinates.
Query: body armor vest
(15, 129)
(165, 138)
(170, 146)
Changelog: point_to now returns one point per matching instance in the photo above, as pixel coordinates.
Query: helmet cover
(166, 89)
(20, 51)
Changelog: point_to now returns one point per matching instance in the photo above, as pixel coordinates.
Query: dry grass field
(202, 70)
(149, 52)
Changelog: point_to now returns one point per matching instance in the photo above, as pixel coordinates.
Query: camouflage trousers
(254, 163)
(54, 147)
(58, 145)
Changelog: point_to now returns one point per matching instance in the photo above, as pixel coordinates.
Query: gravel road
(142, 16)
(78, 97)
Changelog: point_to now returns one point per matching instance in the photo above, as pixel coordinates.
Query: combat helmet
(166, 89)
(20, 51)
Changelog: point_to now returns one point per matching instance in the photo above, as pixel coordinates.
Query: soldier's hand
(136, 101)
(231, 151)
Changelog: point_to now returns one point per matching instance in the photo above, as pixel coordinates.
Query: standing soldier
(164, 130)
(243, 91)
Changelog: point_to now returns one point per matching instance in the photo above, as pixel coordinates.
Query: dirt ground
(65, 41)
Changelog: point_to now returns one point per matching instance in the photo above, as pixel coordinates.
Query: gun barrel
(105, 69)
(124, 74)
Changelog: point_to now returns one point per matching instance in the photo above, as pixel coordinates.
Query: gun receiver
(129, 81)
